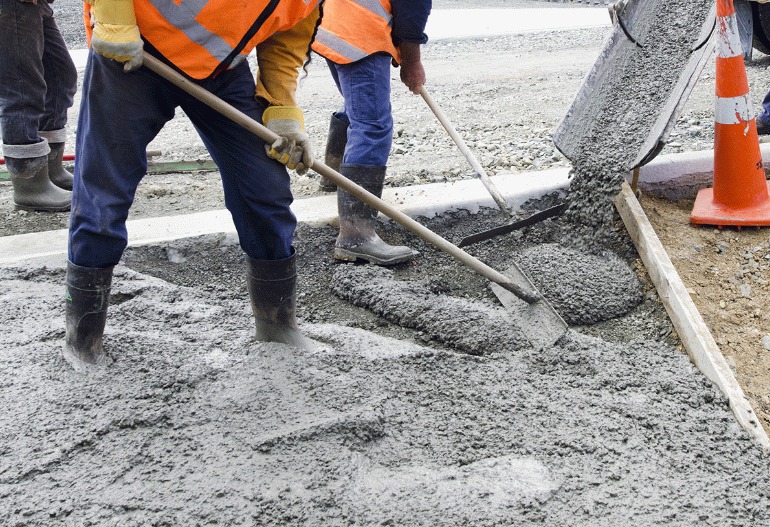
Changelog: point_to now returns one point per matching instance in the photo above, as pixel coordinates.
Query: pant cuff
(27, 151)
(54, 136)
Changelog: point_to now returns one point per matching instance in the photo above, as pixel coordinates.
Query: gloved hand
(293, 147)
(116, 35)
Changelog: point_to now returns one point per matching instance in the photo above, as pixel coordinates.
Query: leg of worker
(365, 87)
(61, 79)
(763, 119)
(336, 139)
(258, 195)
(22, 102)
(119, 115)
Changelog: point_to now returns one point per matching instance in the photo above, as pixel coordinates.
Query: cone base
(706, 212)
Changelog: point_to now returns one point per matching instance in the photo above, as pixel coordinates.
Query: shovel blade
(539, 321)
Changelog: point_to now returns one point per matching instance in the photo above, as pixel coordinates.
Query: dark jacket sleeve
(409, 19)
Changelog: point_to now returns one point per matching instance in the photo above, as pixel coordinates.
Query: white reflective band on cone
(733, 110)
(729, 43)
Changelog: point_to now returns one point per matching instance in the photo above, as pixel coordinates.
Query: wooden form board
(687, 320)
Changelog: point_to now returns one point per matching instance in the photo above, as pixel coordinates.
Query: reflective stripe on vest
(353, 29)
(202, 37)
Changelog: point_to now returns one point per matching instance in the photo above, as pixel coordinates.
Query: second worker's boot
(272, 288)
(335, 149)
(87, 297)
(32, 188)
(59, 176)
(357, 238)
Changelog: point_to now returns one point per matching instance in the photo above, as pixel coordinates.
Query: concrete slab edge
(422, 200)
(688, 322)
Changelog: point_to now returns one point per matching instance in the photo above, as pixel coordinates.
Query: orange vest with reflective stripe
(203, 37)
(353, 29)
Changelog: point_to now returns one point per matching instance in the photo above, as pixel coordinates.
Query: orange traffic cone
(741, 195)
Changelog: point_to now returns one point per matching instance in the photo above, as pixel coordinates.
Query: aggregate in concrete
(465, 325)
(583, 288)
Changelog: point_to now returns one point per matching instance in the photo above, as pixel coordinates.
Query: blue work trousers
(365, 88)
(37, 76)
(764, 116)
(121, 113)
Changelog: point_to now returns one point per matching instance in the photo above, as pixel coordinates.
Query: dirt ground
(389, 424)
(727, 272)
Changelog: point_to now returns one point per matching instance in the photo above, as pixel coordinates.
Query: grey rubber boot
(335, 149)
(358, 239)
(59, 176)
(32, 189)
(87, 297)
(272, 288)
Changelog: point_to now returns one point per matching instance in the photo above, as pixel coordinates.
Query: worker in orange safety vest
(124, 107)
(360, 39)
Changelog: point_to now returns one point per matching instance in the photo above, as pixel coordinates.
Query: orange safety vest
(204, 37)
(354, 29)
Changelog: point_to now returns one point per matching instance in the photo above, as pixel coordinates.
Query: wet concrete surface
(193, 423)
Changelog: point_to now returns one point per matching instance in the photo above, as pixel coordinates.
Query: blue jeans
(122, 112)
(39, 78)
(365, 87)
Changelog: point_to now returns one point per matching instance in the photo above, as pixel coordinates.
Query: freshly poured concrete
(195, 423)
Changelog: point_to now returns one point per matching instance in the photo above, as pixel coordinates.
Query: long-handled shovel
(497, 231)
(538, 320)
(444, 120)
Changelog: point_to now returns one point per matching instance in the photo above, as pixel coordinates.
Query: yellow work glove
(293, 145)
(116, 35)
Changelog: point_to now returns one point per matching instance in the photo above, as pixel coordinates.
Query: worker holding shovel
(359, 40)
(37, 88)
(123, 108)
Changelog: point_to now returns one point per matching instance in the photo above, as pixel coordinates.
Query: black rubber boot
(59, 176)
(273, 291)
(32, 189)
(88, 294)
(335, 149)
(358, 239)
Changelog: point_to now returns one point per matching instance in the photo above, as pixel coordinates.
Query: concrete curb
(422, 200)
(673, 176)
(681, 176)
